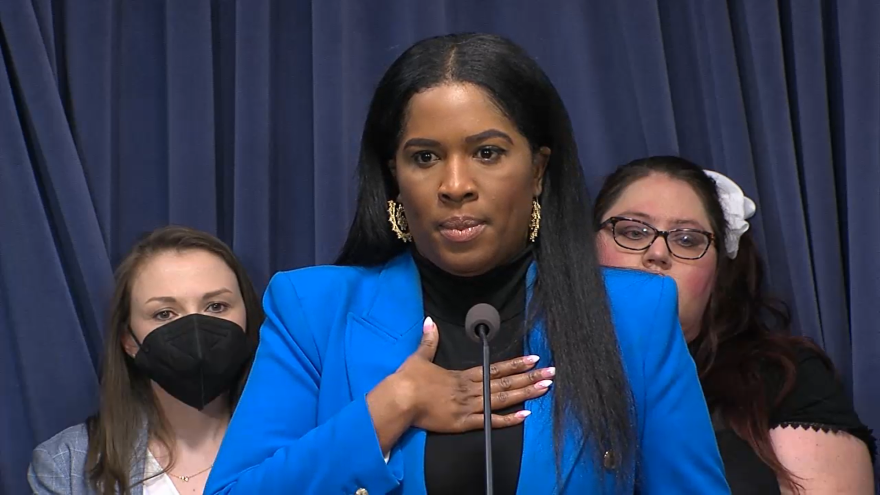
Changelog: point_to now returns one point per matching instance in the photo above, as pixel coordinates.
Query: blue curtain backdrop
(243, 119)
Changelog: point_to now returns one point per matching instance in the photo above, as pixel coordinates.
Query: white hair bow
(737, 209)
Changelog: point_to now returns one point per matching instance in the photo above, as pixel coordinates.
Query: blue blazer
(58, 466)
(333, 333)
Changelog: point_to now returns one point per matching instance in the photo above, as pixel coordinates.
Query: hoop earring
(535, 223)
(398, 221)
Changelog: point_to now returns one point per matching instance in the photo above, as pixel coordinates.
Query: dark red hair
(743, 331)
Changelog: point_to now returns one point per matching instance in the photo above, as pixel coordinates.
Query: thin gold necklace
(186, 479)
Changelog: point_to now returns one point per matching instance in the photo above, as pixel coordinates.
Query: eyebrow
(476, 138)
(421, 143)
(675, 222)
(208, 295)
(488, 134)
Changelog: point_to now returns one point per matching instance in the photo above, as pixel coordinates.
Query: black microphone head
(482, 314)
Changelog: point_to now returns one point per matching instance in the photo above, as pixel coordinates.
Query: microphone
(482, 324)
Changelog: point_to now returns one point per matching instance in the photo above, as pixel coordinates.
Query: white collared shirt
(159, 485)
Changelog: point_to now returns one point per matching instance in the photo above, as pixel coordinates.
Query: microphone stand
(481, 324)
(487, 409)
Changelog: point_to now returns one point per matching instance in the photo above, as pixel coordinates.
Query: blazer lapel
(378, 341)
(538, 467)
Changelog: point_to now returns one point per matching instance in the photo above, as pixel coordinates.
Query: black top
(817, 400)
(454, 463)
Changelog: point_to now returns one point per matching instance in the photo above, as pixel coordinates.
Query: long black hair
(593, 395)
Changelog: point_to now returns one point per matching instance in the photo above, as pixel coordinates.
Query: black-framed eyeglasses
(636, 235)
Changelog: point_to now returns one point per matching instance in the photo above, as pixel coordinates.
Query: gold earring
(398, 221)
(535, 223)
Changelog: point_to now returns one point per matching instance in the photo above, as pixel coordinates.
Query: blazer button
(609, 461)
(361, 491)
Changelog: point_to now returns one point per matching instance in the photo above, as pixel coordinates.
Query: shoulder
(61, 458)
(309, 303)
(637, 298)
(816, 399)
(319, 278)
(317, 283)
(72, 440)
(810, 370)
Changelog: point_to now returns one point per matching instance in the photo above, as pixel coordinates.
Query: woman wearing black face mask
(184, 327)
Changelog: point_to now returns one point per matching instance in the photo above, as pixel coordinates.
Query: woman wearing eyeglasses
(784, 423)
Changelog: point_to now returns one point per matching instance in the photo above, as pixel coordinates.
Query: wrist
(405, 397)
(394, 397)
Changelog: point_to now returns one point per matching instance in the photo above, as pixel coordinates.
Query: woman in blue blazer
(470, 192)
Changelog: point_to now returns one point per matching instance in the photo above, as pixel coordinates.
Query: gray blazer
(58, 466)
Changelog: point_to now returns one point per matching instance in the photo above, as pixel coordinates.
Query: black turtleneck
(454, 463)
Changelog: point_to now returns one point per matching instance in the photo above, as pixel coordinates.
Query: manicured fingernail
(544, 384)
(551, 371)
(523, 414)
(429, 323)
(532, 359)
